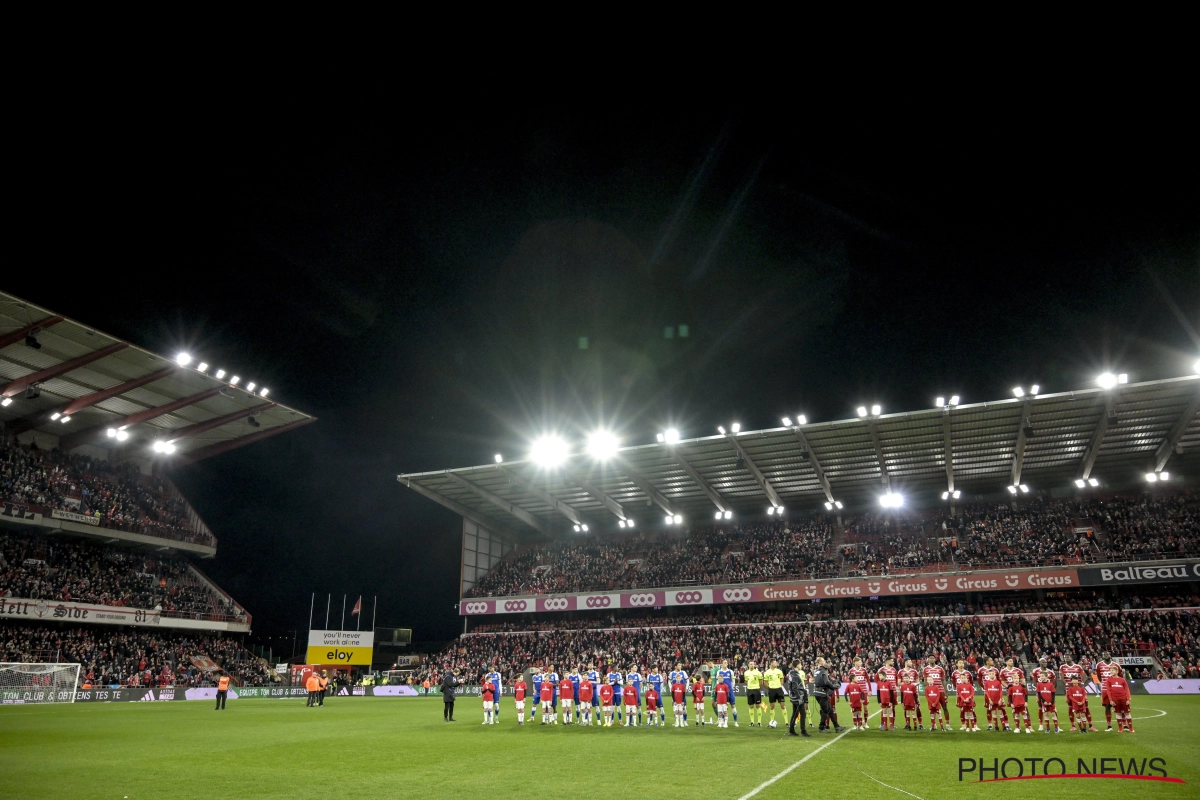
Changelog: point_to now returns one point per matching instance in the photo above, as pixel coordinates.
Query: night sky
(423, 288)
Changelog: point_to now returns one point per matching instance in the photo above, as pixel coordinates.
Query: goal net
(38, 683)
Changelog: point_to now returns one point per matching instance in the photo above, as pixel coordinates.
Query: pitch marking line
(1160, 713)
(888, 785)
(769, 781)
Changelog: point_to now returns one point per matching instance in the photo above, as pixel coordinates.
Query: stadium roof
(1048, 441)
(70, 381)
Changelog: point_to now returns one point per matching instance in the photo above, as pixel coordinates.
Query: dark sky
(422, 288)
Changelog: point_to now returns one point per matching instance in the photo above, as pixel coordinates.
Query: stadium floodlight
(718, 515)
(838, 503)
(787, 421)
(220, 374)
(263, 392)
(1018, 391)
(660, 437)
(548, 451)
(629, 522)
(671, 435)
(891, 500)
(876, 410)
(111, 433)
(203, 367)
(945, 495)
(122, 435)
(1164, 476)
(1012, 490)
(954, 400)
(65, 419)
(1093, 482)
(670, 519)
(940, 402)
(250, 387)
(1196, 368)
(584, 526)
(164, 447)
(829, 506)
(183, 359)
(234, 380)
(721, 429)
(728, 515)
(55, 415)
(6, 402)
(499, 458)
(602, 445)
(771, 511)
(1080, 482)
(678, 519)
(1151, 477)
(1033, 390)
(801, 420)
(735, 427)
(862, 411)
(577, 529)
(956, 494)
(1024, 488)
(621, 523)
(1107, 380)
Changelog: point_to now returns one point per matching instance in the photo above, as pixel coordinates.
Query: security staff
(449, 685)
(222, 691)
(324, 687)
(823, 688)
(798, 692)
(313, 684)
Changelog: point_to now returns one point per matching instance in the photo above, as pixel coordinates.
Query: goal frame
(31, 667)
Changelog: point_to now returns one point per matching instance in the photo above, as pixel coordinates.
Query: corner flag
(357, 607)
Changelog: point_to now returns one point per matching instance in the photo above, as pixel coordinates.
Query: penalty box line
(770, 781)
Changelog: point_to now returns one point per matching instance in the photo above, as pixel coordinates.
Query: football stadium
(975, 596)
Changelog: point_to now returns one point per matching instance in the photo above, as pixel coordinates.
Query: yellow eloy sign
(340, 647)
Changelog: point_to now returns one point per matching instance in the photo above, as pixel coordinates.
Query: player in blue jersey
(494, 678)
(679, 675)
(593, 675)
(537, 692)
(575, 679)
(725, 676)
(553, 679)
(634, 679)
(614, 680)
(655, 679)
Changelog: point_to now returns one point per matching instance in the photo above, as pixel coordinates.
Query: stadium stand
(135, 657)
(39, 567)
(118, 495)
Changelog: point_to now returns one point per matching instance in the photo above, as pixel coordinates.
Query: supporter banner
(1165, 572)
(56, 611)
(340, 647)
(17, 511)
(86, 519)
(816, 590)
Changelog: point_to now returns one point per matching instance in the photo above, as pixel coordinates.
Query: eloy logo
(337, 654)
(997, 770)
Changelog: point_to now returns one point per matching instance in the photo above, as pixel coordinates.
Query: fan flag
(357, 606)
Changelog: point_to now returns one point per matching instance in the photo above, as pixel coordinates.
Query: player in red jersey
(721, 700)
(934, 675)
(606, 703)
(586, 692)
(630, 694)
(859, 675)
(963, 677)
(887, 709)
(679, 696)
(566, 694)
(519, 690)
(886, 676)
(856, 694)
(1118, 692)
(914, 676)
(939, 717)
(1072, 672)
(1077, 704)
(966, 707)
(698, 699)
(547, 702)
(488, 692)
(652, 700)
(910, 694)
(993, 696)
(1104, 668)
(1018, 697)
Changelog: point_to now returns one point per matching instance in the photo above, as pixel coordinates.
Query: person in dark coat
(798, 692)
(449, 685)
(825, 689)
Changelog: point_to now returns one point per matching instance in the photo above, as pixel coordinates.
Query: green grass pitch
(400, 747)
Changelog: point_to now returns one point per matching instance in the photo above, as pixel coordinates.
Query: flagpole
(374, 608)
(358, 622)
(343, 614)
(328, 598)
(311, 603)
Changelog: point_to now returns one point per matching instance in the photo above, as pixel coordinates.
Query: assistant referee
(774, 679)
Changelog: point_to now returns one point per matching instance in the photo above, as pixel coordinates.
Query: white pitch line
(1160, 713)
(888, 785)
(769, 781)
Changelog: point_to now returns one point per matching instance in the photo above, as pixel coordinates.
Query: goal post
(22, 683)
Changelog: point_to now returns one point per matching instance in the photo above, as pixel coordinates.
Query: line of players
(618, 698)
(1004, 688)
(589, 697)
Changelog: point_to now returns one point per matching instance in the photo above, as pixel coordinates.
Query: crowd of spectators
(135, 657)
(1171, 634)
(57, 568)
(711, 554)
(119, 496)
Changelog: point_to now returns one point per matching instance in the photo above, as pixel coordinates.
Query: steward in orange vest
(313, 685)
(222, 691)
